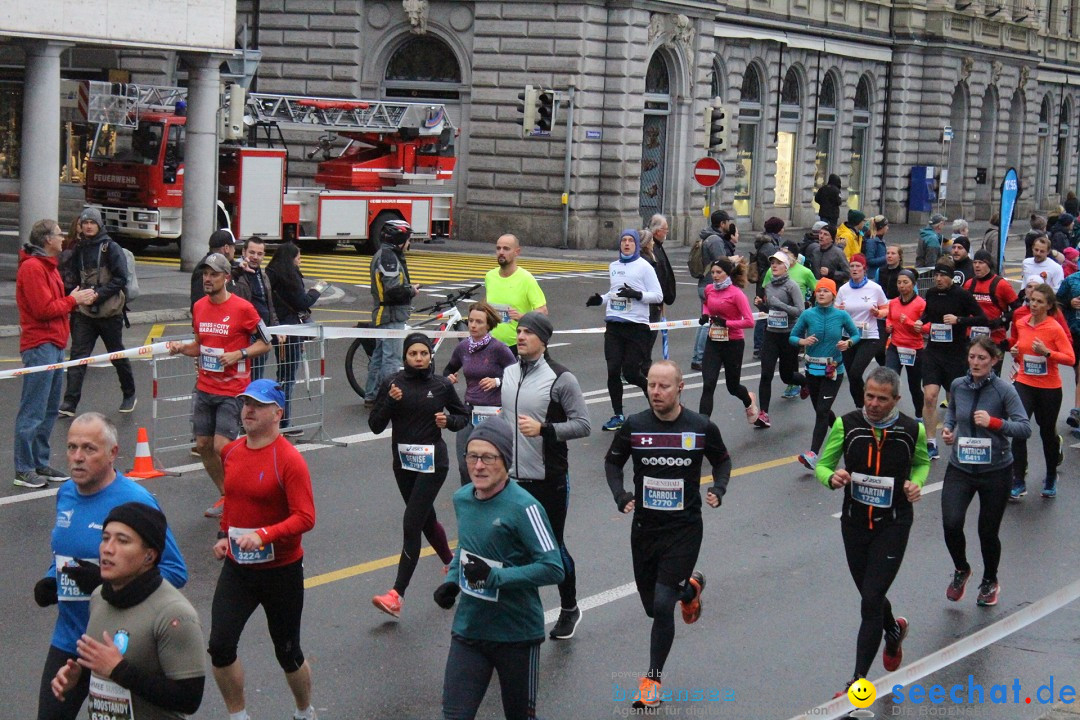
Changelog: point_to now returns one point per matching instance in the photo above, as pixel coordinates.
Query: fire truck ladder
(343, 115)
(118, 103)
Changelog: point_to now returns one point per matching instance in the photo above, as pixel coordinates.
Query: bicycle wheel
(357, 360)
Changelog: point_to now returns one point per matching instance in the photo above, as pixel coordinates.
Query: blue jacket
(829, 326)
(874, 250)
(1069, 289)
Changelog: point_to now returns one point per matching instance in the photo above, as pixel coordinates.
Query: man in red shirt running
(268, 506)
(224, 324)
(997, 298)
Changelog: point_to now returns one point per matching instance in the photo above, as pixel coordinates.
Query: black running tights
(1044, 403)
(419, 491)
(959, 490)
(822, 395)
(728, 355)
(775, 347)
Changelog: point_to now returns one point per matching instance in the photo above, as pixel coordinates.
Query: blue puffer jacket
(874, 250)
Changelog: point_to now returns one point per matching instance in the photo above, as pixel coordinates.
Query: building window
(749, 122)
(826, 129)
(1042, 152)
(423, 68)
(1064, 129)
(860, 143)
(654, 137)
(11, 100)
(787, 138)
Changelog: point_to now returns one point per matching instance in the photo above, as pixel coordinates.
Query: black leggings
(957, 493)
(914, 375)
(554, 497)
(627, 352)
(874, 558)
(419, 491)
(240, 589)
(662, 612)
(775, 347)
(1044, 403)
(729, 355)
(856, 359)
(822, 395)
(468, 673)
(49, 708)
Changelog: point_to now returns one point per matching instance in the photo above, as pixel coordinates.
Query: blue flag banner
(1010, 188)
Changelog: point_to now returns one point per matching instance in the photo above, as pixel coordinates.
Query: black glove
(628, 292)
(476, 570)
(718, 496)
(703, 320)
(718, 321)
(624, 498)
(445, 594)
(87, 575)
(594, 300)
(45, 592)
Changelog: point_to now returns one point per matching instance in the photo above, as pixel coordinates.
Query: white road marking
(603, 598)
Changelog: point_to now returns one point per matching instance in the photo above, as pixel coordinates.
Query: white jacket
(639, 275)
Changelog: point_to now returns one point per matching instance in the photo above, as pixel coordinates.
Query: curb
(143, 317)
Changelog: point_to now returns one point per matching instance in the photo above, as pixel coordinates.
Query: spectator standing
(253, 284)
(223, 242)
(828, 199)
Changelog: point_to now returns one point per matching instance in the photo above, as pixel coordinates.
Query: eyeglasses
(487, 458)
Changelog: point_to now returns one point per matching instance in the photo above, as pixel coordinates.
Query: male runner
(224, 324)
(268, 506)
(667, 443)
(885, 466)
(511, 290)
(998, 300)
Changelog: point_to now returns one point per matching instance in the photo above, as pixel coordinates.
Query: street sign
(708, 172)
(947, 133)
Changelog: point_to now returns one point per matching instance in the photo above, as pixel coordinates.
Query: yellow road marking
(391, 560)
(156, 331)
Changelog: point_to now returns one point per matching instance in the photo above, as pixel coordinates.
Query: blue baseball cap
(265, 391)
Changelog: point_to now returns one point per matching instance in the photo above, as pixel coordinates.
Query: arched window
(423, 67)
(751, 87)
(826, 129)
(1042, 151)
(862, 95)
(654, 136)
(791, 93)
(657, 78)
(1064, 130)
(716, 82)
(860, 143)
(787, 138)
(746, 152)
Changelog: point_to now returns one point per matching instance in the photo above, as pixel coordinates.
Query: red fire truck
(396, 152)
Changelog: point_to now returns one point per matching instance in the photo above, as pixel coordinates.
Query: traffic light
(546, 111)
(718, 123)
(527, 106)
(707, 124)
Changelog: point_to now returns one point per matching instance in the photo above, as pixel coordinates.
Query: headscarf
(637, 245)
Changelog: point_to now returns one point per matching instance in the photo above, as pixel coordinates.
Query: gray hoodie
(782, 294)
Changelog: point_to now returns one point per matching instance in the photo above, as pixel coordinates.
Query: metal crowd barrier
(925, 280)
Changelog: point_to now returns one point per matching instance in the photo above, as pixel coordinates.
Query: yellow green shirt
(519, 291)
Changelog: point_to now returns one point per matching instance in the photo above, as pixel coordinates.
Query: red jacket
(43, 305)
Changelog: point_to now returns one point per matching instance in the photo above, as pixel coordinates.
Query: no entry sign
(708, 172)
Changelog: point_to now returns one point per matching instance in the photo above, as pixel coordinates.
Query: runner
(1042, 265)
(997, 299)
(950, 309)
(392, 293)
(506, 550)
(784, 303)
(894, 263)
(905, 346)
(728, 314)
(81, 508)
(224, 324)
(259, 544)
(804, 278)
(1068, 297)
(143, 644)
(419, 404)
(482, 362)
(984, 413)
(667, 443)
(1039, 344)
(546, 400)
(626, 317)
(511, 290)
(865, 301)
(821, 330)
(885, 466)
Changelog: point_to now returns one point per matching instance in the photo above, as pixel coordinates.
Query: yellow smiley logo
(862, 693)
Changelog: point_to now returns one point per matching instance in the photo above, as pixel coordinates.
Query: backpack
(132, 289)
(696, 263)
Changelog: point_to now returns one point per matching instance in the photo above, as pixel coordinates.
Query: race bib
(978, 331)
(261, 554)
(778, 319)
(66, 589)
(480, 592)
(973, 451)
(418, 458)
(504, 312)
(662, 493)
(618, 304)
(872, 490)
(719, 333)
(109, 701)
(1035, 365)
(907, 356)
(818, 363)
(480, 413)
(940, 332)
(210, 359)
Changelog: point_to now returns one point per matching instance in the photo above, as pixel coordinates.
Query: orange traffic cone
(144, 461)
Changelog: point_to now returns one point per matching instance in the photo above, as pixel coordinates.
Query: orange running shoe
(691, 611)
(390, 603)
(648, 694)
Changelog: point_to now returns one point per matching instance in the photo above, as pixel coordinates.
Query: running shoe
(691, 611)
(214, 511)
(66, 409)
(195, 453)
(566, 625)
(893, 654)
(29, 479)
(1073, 420)
(127, 403)
(988, 593)
(752, 411)
(648, 694)
(757, 354)
(944, 404)
(52, 474)
(956, 589)
(389, 603)
(310, 714)
(763, 420)
(695, 366)
(804, 392)
(931, 450)
(614, 423)
(1018, 491)
(791, 392)
(847, 685)
(1049, 487)
(809, 459)
(1061, 451)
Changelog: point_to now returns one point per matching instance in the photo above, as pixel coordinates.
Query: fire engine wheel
(357, 360)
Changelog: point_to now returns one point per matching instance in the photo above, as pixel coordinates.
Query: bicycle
(445, 312)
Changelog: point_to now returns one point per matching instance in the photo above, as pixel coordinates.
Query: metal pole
(566, 170)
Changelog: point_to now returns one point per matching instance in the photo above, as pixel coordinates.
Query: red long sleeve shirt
(269, 491)
(43, 305)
